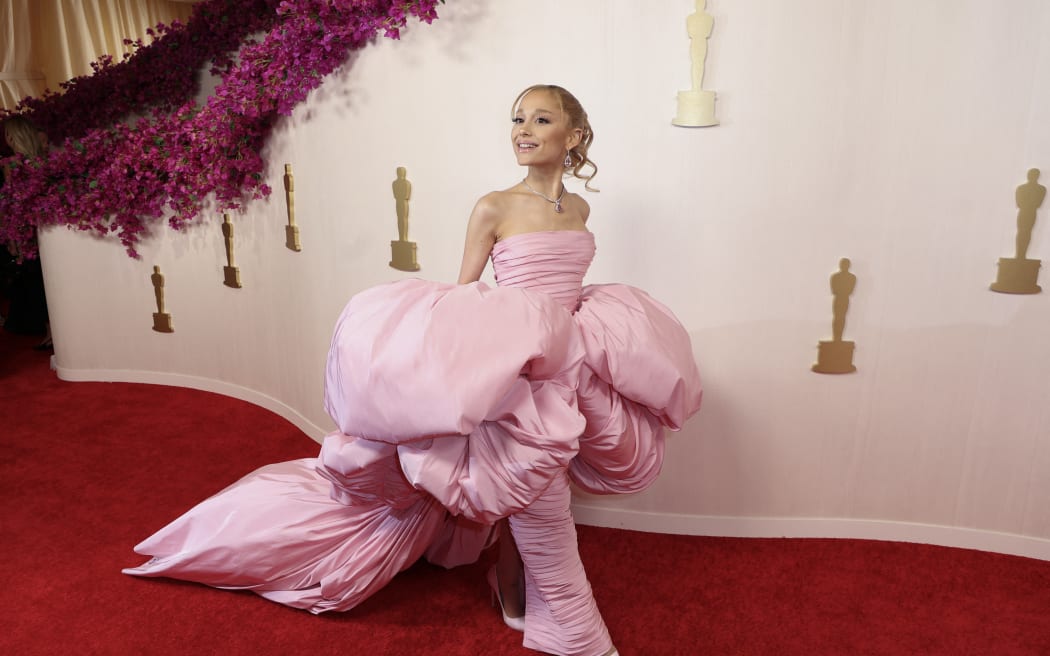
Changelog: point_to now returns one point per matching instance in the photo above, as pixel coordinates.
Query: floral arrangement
(135, 146)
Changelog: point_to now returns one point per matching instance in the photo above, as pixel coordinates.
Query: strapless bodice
(549, 261)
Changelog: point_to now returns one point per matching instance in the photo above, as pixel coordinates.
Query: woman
(458, 406)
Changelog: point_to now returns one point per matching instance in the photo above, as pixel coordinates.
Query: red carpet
(89, 469)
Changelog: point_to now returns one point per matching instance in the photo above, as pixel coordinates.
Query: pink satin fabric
(551, 262)
(457, 406)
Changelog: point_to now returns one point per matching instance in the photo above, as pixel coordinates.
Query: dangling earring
(568, 159)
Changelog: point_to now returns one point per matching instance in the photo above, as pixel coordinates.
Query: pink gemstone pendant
(557, 206)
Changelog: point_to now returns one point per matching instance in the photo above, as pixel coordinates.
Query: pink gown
(456, 406)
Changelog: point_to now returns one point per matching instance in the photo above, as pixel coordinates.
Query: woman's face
(541, 133)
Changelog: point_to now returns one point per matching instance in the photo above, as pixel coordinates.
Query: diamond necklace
(556, 201)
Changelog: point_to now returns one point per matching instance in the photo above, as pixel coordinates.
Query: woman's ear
(575, 138)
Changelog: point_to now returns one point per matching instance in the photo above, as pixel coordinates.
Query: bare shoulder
(493, 203)
(488, 207)
(581, 206)
(487, 214)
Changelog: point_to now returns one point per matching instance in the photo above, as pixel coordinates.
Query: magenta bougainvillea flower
(130, 143)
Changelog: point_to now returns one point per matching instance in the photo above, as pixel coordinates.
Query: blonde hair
(22, 136)
(573, 110)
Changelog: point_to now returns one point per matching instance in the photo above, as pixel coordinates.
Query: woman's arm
(481, 235)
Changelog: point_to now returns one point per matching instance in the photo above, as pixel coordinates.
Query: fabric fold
(457, 406)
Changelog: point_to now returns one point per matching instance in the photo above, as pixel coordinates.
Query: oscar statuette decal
(161, 319)
(291, 231)
(231, 274)
(835, 356)
(696, 107)
(1018, 274)
(403, 251)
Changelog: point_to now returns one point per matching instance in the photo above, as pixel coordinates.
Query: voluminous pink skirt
(444, 426)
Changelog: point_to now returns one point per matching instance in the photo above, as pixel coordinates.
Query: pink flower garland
(119, 177)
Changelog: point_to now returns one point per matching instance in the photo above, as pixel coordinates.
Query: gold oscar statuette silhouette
(1018, 274)
(403, 252)
(291, 231)
(836, 356)
(161, 319)
(696, 107)
(231, 274)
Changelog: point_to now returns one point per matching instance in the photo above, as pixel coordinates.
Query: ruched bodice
(550, 261)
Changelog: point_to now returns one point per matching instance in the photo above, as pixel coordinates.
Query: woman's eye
(543, 120)
(517, 120)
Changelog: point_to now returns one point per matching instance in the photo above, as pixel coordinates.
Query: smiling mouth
(526, 147)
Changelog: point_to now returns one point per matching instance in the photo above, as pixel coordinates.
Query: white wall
(892, 133)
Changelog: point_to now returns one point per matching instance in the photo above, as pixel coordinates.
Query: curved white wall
(892, 133)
